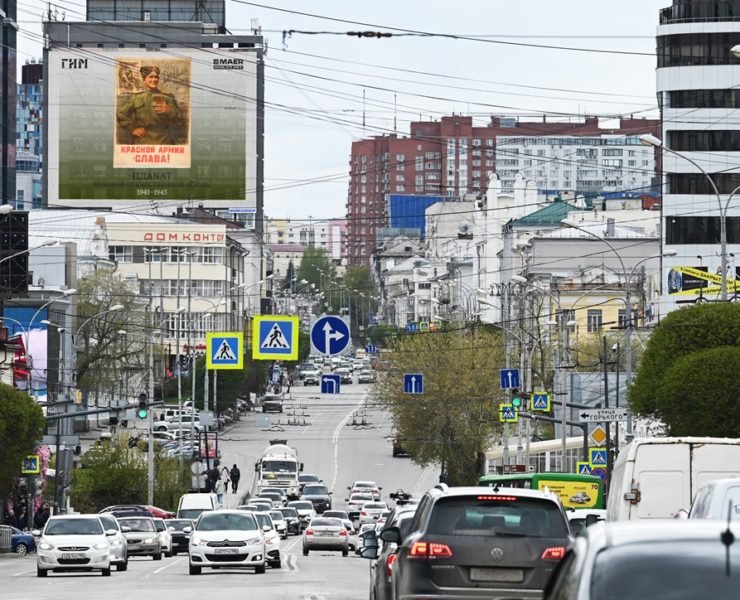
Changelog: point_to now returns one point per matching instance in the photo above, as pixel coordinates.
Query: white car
(304, 508)
(164, 535)
(280, 523)
(355, 503)
(73, 543)
(371, 512)
(272, 538)
(226, 539)
(365, 487)
(117, 541)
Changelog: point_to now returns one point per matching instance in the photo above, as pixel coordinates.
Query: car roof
(623, 533)
(443, 490)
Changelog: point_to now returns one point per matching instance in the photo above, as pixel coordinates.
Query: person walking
(219, 490)
(235, 476)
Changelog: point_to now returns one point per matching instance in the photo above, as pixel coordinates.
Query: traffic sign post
(598, 415)
(31, 465)
(372, 349)
(225, 350)
(541, 402)
(330, 335)
(413, 383)
(599, 472)
(330, 384)
(275, 337)
(509, 379)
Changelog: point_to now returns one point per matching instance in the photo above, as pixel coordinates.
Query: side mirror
(591, 519)
(111, 532)
(369, 539)
(330, 493)
(681, 513)
(392, 535)
(369, 552)
(266, 528)
(380, 487)
(187, 530)
(346, 499)
(125, 529)
(301, 468)
(36, 532)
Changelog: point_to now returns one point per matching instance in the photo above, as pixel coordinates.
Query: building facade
(326, 234)
(8, 37)
(697, 91)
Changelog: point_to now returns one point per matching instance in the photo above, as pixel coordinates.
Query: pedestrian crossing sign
(275, 337)
(225, 350)
(508, 414)
(583, 468)
(541, 401)
(597, 457)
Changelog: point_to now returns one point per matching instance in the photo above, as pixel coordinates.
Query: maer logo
(228, 63)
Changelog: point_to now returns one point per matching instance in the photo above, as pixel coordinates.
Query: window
(695, 49)
(399, 177)
(717, 140)
(419, 163)
(400, 157)
(697, 183)
(594, 320)
(700, 230)
(121, 254)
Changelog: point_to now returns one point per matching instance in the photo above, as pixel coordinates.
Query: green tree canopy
(22, 425)
(682, 333)
(452, 422)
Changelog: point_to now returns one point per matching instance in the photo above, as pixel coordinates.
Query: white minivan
(656, 478)
(718, 499)
(191, 505)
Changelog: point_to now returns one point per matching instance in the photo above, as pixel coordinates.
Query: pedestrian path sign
(275, 337)
(583, 468)
(225, 350)
(541, 401)
(508, 414)
(597, 457)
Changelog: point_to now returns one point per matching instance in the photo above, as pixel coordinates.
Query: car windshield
(160, 526)
(73, 527)
(307, 478)
(279, 466)
(326, 523)
(667, 571)
(263, 520)
(497, 516)
(108, 522)
(360, 497)
(302, 505)
(316, 490)
(270, 496)
(138, 524)
(337, 514)
(179, 524)
(276, 515)
(404, 525)
(289, 512)
(217, 521)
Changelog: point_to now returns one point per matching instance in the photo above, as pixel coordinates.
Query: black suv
(318, 495)
(180, 539)
(479, 542)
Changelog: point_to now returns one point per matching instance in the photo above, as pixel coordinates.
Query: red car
(159, 513)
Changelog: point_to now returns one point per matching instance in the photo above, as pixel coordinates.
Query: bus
(575, 491)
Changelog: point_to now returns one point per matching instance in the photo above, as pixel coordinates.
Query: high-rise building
(8, 35)
(29, 103)
(697, 86)
(202, 11)
(453, 157)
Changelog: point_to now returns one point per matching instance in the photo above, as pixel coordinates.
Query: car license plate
(73, 555)
(226, 551)
(494, 574)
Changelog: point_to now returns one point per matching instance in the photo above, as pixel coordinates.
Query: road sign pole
(506, 443)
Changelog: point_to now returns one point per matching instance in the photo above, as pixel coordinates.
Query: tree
(360, 297)
(316, 267)
(288, 284)
(681, 334)
(452, 422)
(22, 425)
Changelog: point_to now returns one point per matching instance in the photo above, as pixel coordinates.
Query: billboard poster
(697, 282)
(152, 125)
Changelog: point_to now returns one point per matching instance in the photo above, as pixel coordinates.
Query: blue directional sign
(330, 335)
(412, 327)
(372, 349)
(509, 379)
(597, 457)
(541, 401)
(330, 384)
(413, 383)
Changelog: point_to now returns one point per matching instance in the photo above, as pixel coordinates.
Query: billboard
(175, 124)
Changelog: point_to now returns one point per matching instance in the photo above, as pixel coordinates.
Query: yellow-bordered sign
(507, 413)
(225, 350)
(275, 337)
(31, 465)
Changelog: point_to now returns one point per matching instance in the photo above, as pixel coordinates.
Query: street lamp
(651, 140)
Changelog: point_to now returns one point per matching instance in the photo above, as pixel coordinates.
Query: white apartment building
(327, 234)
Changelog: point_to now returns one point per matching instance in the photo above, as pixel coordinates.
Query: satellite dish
(465, 231)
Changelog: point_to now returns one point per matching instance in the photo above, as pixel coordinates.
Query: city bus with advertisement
(574, 490)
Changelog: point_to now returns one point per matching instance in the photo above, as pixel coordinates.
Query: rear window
(326, 523)
(138, 524)
(667, 571)
(360, 497)
(497, 516)
(289, 512)
(375, 505)
(302, 505)
(316, 490)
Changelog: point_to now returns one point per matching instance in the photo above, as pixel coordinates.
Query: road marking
(21, 573)
(335, 438)
(167, 566)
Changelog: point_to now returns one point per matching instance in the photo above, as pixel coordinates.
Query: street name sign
(597, 415)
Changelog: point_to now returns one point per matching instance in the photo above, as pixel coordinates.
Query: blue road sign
(598, 457)
(225, 350)
(330, 384)
(584, 468)
(541, 401)
(509, 379)
(330, 335)
(412, 327)
(508, 414)
(599, 472)
(413, 383)
(371, 349)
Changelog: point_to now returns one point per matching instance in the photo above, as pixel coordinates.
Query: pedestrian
(235, 476)
(219, 489)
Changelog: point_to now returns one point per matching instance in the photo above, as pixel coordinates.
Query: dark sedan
(292, 520)
(180, 539)
(319, 495)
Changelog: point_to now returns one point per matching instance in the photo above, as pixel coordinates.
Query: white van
(654, 478)
(191, 505)
(719, 499)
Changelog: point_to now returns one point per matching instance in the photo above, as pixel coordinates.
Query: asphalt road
(340, 438)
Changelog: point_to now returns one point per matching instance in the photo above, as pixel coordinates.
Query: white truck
(279, 467)
(655, 478)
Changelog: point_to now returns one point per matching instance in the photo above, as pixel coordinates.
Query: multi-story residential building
(327, 234)
(29, 109)
(453, 157)
(8, 37)
(697, 91)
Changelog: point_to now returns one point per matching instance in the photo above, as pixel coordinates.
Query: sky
(325, 89)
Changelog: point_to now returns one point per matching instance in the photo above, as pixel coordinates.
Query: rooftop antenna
(363, 108)
(395, 114)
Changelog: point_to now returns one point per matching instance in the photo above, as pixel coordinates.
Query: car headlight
(271, 541)
(150, 540)
(254, 541)
(115, 542)
(196, 541)
(45, 546)
(101, 546)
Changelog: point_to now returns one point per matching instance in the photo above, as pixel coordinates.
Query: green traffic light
(142, 413)
(516, 401)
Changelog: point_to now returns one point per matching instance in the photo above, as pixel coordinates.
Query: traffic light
(143, 411)
(516, 399)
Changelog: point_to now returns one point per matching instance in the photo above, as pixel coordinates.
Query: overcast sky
(505, 58)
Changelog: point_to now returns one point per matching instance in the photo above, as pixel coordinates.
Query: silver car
(141, 535)
(326, 534)
(117, 541)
